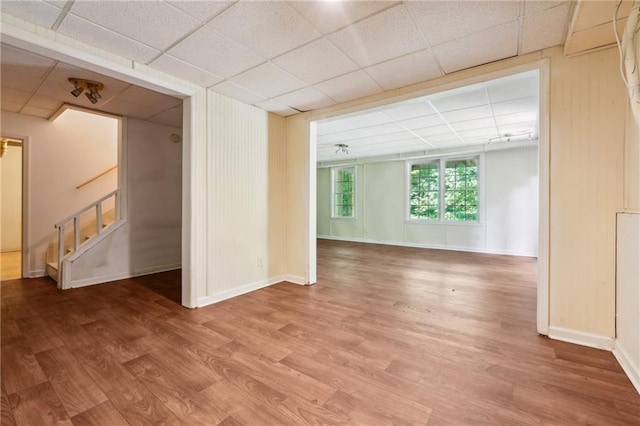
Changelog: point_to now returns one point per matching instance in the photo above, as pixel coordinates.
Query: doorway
(11, 208)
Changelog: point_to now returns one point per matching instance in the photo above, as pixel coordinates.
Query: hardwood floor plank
(388, 335)
(6, 414)
(38, 405)
(20, 369)
(76, 390)
(102, 414)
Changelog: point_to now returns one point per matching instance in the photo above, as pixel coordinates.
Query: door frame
(542, 65)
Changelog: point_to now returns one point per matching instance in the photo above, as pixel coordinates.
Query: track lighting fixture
(93, 89)
(342, 147)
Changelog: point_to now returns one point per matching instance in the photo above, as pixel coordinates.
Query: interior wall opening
(11, 208)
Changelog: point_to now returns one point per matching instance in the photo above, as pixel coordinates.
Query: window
(344, 192)
(452, 198)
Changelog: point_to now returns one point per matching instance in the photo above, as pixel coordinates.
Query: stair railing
(97, 206)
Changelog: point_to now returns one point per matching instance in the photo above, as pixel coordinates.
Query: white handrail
(97, 205)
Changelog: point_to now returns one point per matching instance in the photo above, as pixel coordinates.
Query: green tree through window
(455, 199)
(344, 192)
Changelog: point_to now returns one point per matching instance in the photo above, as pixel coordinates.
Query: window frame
(479, 157)
(335, 170)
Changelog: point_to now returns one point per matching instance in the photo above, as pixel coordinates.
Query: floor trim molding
(627, 365)
(228, 294)
(581, 338)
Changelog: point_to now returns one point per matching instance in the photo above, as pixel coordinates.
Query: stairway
(87, 231)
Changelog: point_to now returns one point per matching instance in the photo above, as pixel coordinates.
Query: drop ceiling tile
(201, 10)
(24, 63)
(37, 112)
(546, 28)
(317, 61)
(487, 46)
(102, 38)
(305, 99)
(487, 132)
(421, 122)
(381, 37)
(148, 98)
(413, 109)
(369, 119)
(534, 6)
(529, 104)
(156, 24)
(119, 107)
(428, 132)
(409, 69)
(515, 89)
(473, 124)
(517, 118)
(170, 117)
(268, 28)
(350, 86)
(330, 16)
(388, 138)
(36, 12)
(9, 106)
(445, 21)
(334, 126)
(232, 90)
(20, 81)
(178, 68)
(46, 102)
(519, 128)
(227, 59)
(460, 100)
(16, 96)
(384, 129)
(446, 138)
(268, 80)
(474, 113)
(344, 136)
(276, 108)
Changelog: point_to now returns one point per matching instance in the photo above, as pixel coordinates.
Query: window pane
(424, 191)
(461, 190)
(344, 192)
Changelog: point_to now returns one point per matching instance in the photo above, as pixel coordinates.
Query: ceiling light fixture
(507, 137)
(342, 147)
(93, 89)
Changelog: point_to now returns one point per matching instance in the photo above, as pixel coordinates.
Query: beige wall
(632, 164)
(11, 199)
(62, 154)
(587, 119)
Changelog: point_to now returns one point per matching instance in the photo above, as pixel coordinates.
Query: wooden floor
(389, 335)
(10, 265)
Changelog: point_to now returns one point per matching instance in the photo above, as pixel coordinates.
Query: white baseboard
(429, 246)
(581, 338)
(294, 279)
(123, 275)
(632, 371)
(228, 294)
(38, 273)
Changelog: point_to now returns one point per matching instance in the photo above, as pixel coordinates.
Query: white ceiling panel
(545, 28)
(409, 110)
(334, 126)
(509, 90)
(9, 106)
(474, 113)
(487, 132)
(350, 86)
(516, 105)
(267, 28)
(474, 124)
(480, 48)
(369, 119)
(26, 64)
(170, 117)
(268, 80)
(329, 16)
(226, 60)
(276, 108)
(171, 65)
(148, 98)
(303, 62)
(116, 106)
(46, 102)
(381, 37)
(518, 128)
(36, 112)
(409, 69)
(202, 10)
(534, 6)
(305, 99)
(156, 24)
(502, 120)
(421, 122)
(37, 12)
(102, 38)
(443, 21)
(343, 136)
(385, 129)
(468, 99)
(235, 91)
(15, 95)
(428, 132)
(20, 81)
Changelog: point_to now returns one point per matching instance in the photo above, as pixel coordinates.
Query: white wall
(62, 154)
(11, 199)
(508, 208)
(150, 240)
